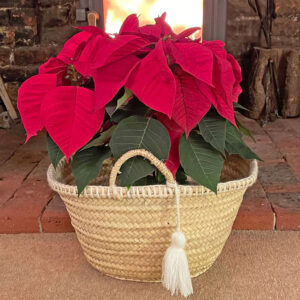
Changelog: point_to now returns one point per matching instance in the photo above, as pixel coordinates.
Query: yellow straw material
(125, 233)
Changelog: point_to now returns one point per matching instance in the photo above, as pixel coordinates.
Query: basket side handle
(146, 154)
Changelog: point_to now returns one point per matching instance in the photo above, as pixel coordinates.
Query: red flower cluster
(177, 77)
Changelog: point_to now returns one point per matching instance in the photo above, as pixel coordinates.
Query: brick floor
(28, 205)
(55, 217)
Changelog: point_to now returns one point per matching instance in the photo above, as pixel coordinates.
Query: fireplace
(210, 15)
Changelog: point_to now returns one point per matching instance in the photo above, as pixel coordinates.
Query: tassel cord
(175, 271)
(177, 195)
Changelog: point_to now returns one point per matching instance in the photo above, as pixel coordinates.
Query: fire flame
(181, 14)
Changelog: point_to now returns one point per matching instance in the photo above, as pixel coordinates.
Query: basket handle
(146, 154)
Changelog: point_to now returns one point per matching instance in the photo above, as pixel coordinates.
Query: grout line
(273, 210)
(274, 218)
(284, 155)
(11, 155)
(273, 142)
(18, 146)
(41, 215)
(28, 174)
(25, 177)
(274, 213)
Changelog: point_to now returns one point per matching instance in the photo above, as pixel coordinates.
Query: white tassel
(175, 269)
(176, 275)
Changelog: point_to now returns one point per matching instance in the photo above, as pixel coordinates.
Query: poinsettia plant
(145, 87)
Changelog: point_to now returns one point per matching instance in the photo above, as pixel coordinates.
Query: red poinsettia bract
(177, 77)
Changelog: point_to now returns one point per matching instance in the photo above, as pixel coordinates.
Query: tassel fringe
(175, 269)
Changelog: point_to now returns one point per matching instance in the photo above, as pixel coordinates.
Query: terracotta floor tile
(56, 218)
(287, 210)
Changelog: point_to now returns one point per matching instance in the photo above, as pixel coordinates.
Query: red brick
(13, 140)
(57, 35)
(56, 217)
(4, 17)
(11, 145)
(277, 174)
(10, 140)
(24, 201)
(22, 162)
(23, 16)
(277, 125)
(264, 148)
(286, 141)
(287, 210)
(40, 172)
(270, 162)
(2, 132)
(16, 131)
(4, 54)
(7, 36)
(19, 3)
(293, 123)
(255, 191)
(8, 186)
(282, 188)
(287, 220)
(36, 144)
(18, 73)
(26, 36)
(255, 212)
(55, 16)
(22, 212)
(49, 3)
(259, 139)
(294, 161)
(14, 171)
(33, 55)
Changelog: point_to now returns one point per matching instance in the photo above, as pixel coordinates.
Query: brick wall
(31, 31)
(243, 26)
(243, 32)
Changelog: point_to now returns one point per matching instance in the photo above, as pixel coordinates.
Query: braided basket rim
(150, 191)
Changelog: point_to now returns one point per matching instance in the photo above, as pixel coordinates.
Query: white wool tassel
(175, 269)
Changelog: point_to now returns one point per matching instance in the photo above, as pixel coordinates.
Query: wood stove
(210, 15)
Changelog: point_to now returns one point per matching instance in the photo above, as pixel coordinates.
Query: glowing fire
(181, 14)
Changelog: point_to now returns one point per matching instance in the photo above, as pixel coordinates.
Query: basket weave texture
(125, 233)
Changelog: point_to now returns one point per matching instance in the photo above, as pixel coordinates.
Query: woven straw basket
(125, 233)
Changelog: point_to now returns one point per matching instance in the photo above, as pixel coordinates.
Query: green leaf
(201, 161)
(54, 152)
(239, 106)
(244, 130)
(148, 180)
(181, 176)
(119, 115)
(213, 130)
(110, 107)
(114, 105)
(160, 178)
(133, 107)
(138, 132)
(86, 165)
(127, 94)
(134, 169)
(101, 140)
(235, 145)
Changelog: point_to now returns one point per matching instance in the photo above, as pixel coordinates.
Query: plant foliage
(142, 88)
